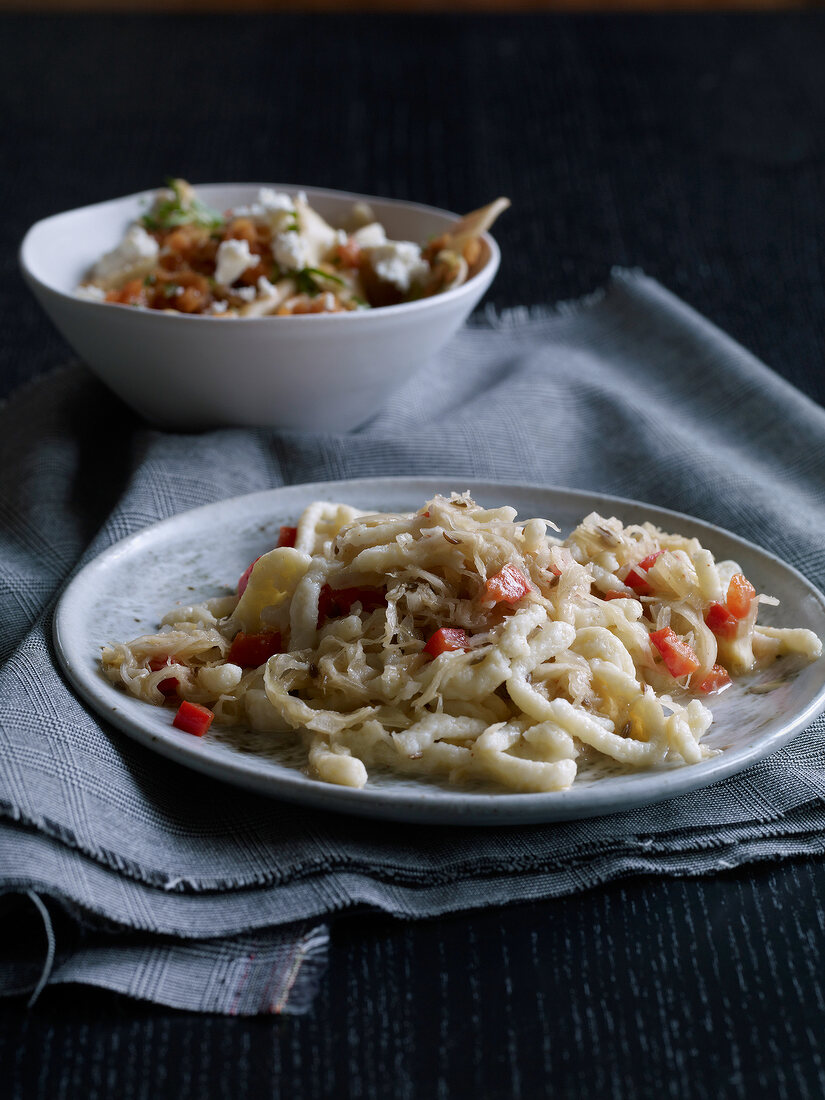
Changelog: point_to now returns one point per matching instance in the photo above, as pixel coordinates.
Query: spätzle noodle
(459, 642)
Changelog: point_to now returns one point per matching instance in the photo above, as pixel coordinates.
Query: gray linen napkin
(122, 869)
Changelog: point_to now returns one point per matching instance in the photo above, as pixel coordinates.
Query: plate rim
(430, 805)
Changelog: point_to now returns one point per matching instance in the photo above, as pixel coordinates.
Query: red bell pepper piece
(252, 650)
(637, 580)
(335, 602)
(287, 536)
(447, 639)
(169, 686)
(507, 586)
(244, 581)
(193, 718)
(715, 681)
(676, 653)
(646, 563)
(721, 622)
(741, 594)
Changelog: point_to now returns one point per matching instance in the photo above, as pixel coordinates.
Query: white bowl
(321, 372)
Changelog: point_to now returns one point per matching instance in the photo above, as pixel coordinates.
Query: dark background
(691, 146)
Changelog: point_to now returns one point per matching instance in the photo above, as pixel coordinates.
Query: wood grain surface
(693, 989)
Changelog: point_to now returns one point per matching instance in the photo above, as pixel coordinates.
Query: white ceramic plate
(197, 554)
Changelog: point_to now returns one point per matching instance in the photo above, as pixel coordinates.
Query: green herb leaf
(305, 283)
(172, 212)
(317, 273)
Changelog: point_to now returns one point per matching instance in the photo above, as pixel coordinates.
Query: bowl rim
(487, 271)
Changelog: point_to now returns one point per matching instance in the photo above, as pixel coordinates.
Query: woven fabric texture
(184, 891)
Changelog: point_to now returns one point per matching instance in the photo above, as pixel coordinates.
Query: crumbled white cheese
(275, 200)
(136, 249)
(266, 289)
(399, 263)
(220, 307)
(290, 251)
(245, 293)
(269, 202)
(370, 236)
(232, 261)
(91, 293)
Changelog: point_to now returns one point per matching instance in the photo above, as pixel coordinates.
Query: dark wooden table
(691, 146)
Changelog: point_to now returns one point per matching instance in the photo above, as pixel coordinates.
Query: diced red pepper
(169, 686)
(447, 639)
(637, 580)
(741, 594)
(193, 718)
(646, 563)
(554, 569)
(244, 581)
(287, 536)
(676, 653)
(507, 586)
(252, 650)
(616, 596)
(715, 681)
(721, 622)
(335, 602)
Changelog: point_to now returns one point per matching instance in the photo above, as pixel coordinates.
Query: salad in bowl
(277, 256)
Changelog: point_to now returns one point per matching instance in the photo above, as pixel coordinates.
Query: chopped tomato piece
(721, 622)
(447, 639)
(334, 602)
(169, 686)
(287, 536)
(715, 681)
(615, 596)
(676, 653)
(507, 586)
(247, 573)
(193, 718)
(252, 650)
(741, 594)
